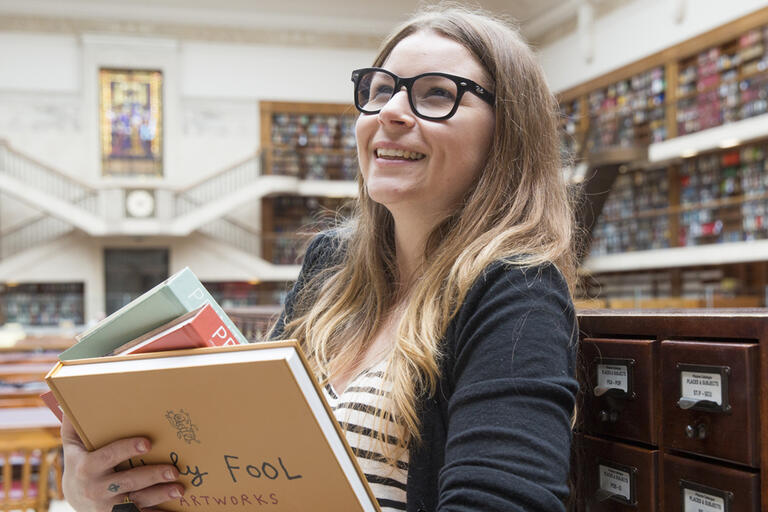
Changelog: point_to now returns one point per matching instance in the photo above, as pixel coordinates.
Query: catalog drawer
(620, 388)
(618, 476)
(695, 486)
(710, 404)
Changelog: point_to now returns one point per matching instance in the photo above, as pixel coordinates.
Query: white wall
(634, 31)
(49, 95)
(49, 111)
(39, 62)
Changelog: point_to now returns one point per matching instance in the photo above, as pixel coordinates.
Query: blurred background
(137, 138)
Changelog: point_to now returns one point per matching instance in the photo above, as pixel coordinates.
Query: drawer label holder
(704, 387)
(701, 498)
(616, 482)
(614, 378)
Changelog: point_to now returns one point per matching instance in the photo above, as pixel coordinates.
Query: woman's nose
(397, 110)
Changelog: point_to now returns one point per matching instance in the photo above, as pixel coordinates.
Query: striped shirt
(356, 410)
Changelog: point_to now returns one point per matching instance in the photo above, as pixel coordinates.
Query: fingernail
(141, 446)
(175, 493)
(168, 475)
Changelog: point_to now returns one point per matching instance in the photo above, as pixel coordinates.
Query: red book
(202, 327)
(50, 401)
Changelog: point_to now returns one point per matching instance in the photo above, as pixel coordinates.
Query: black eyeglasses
(432, 96)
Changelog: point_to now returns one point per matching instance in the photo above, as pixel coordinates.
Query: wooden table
(35, 371)
(18, 418)
(7, 357)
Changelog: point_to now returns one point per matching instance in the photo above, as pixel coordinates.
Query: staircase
(65, 204)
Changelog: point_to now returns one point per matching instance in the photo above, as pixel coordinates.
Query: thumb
(69, 435)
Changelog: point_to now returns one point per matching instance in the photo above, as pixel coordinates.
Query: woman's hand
(90, 483)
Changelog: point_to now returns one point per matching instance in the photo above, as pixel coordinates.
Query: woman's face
(442, 158)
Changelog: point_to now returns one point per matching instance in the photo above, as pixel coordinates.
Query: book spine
(188, 289)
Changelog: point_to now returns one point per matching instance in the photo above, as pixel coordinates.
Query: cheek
(365, 127)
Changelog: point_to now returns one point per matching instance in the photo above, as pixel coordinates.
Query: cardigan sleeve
(321, 253)
(512, 394)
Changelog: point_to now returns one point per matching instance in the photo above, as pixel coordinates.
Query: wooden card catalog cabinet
(710, 399)
(618, 476)
(620, 388)
(695, 486)
(687, 390)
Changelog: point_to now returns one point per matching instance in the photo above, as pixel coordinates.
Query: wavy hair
(518, 209)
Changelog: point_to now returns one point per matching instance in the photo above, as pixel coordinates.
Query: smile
(398, 154)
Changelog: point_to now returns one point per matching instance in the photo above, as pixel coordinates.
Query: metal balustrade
(42, 229)
(233, 233)
(278, 248)
(48, 180)
(219, 185)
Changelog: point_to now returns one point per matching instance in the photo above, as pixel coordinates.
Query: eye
(439, 92)
(381, 90)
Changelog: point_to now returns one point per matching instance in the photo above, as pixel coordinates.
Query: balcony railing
(219, 185)
(46, 179)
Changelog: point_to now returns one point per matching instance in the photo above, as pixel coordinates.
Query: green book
(179, 294)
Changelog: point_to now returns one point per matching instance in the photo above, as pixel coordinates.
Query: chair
(28, 459)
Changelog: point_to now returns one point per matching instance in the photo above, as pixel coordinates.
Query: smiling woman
(455, 144)
(439, 319)
(443, 308)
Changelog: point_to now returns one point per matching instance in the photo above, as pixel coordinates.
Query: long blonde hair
(518, 209)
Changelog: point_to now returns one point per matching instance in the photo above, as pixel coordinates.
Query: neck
(411, 233)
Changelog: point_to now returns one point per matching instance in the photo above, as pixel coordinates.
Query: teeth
(399, 153)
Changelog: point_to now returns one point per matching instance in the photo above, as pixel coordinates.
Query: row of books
(316, 130)
(314, 165)
(245, 424)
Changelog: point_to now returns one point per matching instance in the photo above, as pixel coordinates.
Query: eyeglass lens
(432, 96)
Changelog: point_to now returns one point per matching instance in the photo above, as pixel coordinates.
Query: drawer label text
(702, 386)
(615, 481)
(612, 376)
(696, 501)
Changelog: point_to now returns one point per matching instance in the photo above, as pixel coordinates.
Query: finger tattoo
(113, 487)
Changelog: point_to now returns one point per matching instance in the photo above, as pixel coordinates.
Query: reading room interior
(140, 140)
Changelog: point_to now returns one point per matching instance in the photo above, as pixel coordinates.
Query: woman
(440, 317)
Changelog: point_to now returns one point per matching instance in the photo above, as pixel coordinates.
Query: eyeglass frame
(462, 85)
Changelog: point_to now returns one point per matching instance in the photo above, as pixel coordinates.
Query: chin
(389, 196)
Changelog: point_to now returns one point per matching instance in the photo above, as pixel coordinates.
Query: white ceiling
(390, 10)
(374, 18)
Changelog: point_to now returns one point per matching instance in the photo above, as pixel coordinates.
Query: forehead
(428, 51)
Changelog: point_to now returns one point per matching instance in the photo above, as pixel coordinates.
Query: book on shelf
(202, 327)
(247, 425)
(176, 296)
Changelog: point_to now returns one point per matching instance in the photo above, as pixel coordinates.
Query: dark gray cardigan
(497, 435)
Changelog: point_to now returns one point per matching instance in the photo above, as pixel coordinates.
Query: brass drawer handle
(696, 431)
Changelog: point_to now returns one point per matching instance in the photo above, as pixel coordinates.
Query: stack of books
(246, 425)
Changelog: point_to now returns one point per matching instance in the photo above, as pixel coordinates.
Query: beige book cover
(247, 426)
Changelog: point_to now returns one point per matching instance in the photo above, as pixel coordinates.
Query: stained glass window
(131, 122)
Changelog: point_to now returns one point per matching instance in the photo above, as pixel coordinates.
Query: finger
(69, 434)
(156, 495)
(109, 456)
(137, 479)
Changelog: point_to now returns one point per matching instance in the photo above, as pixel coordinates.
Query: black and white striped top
(356, 410)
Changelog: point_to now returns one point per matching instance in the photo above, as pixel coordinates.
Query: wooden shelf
(706, 205)
(315, 150)
(727, 40)
(746, 130)
(674, 257)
